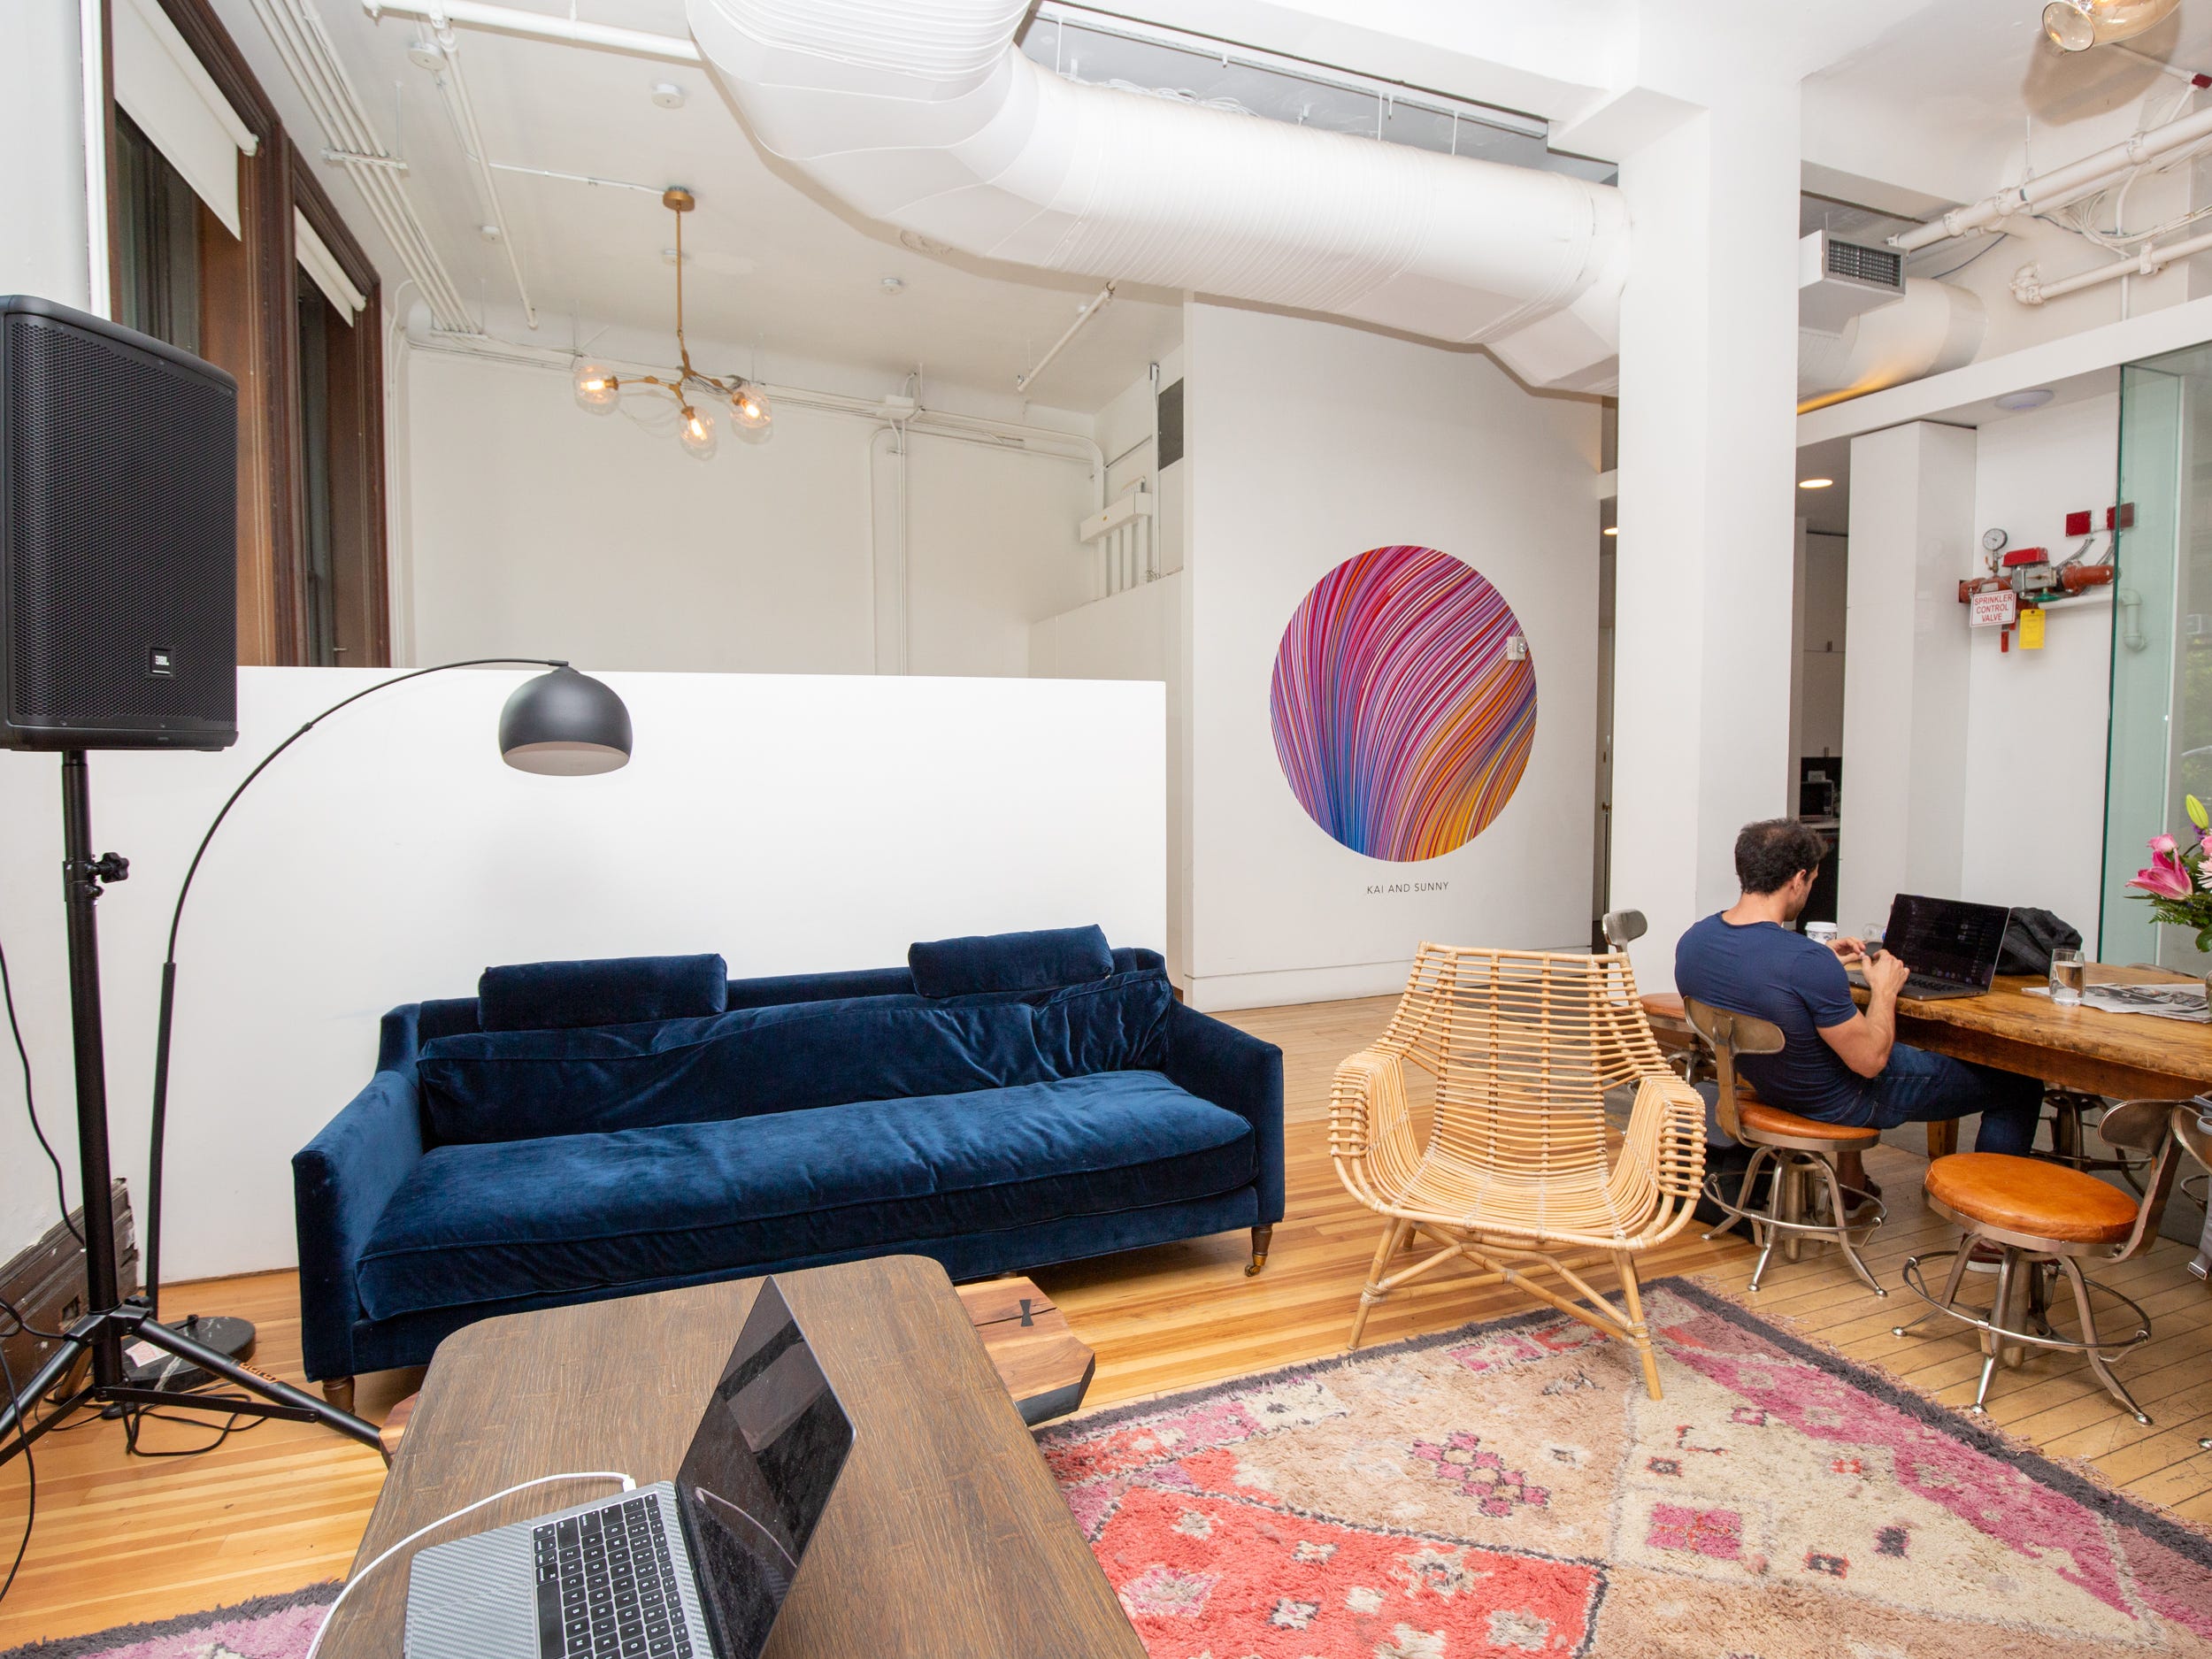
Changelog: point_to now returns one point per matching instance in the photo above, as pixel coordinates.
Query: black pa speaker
(118, 537)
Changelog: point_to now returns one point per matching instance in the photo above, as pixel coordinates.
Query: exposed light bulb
(598, 387)
(2075, 25)
(697, 430)
(750, 407)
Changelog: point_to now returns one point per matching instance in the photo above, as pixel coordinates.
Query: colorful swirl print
(1401, 720)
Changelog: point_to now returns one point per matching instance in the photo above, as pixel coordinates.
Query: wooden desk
(2130, 1055)
(946, 1535)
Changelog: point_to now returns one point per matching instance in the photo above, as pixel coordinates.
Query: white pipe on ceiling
(928, 117)
(508, 20)
(2030, 290)
(2061, 185)
(454, 84)
(301, 41)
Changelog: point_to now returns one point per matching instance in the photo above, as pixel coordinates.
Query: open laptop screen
(1947, 938)
(758, 1475)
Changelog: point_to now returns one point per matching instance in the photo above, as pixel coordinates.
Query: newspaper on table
(2165, 1001)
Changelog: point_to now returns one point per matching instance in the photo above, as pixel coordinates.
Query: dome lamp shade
(565, 724)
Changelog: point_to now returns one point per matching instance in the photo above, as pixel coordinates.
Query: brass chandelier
(599, 387)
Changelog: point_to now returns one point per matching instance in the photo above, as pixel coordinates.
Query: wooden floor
(120, 1538)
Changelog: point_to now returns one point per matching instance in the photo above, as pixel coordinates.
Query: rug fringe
(106, 1641)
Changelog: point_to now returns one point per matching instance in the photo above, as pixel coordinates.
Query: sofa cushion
(478, 1223)
(613, 991)
(510, 1085)
(1010, 962)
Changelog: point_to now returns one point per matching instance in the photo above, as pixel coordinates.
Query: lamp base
(146, 1366)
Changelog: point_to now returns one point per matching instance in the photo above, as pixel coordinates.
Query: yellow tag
(2031, 628)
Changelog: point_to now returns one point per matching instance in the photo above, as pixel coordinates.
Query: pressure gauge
(1994, 541)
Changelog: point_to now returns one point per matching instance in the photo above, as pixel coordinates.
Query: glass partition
(2161, 641)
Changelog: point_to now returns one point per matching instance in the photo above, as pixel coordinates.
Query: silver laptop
(687, 1569)
(1949, 948)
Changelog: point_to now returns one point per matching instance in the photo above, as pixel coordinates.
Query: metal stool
(1800, 1148)
(2073, 1115)
(2049, 1219)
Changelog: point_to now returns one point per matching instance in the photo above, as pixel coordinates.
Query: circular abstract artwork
(1404, 703)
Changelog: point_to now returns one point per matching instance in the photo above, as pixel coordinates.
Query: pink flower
(2167, 878)
(2162, 845)
(2204, 843)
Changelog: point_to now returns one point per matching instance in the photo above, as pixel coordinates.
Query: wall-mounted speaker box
(118, 537)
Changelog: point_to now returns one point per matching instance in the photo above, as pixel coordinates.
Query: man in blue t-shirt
(1836, 1063)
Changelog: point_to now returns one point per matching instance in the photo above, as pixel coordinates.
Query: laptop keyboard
(607, 1587)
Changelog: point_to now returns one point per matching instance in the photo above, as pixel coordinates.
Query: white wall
(789, 823)
(1906, 686)
(538, 528)
(1418, 445)
(42, 252)
(2037, 720)
(1135, 635)
(1970, 771)
(42, 249)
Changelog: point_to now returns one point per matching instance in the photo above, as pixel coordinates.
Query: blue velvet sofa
(585, 1130)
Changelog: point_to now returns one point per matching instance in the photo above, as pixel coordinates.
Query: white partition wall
(791, 823)
(1906, 686)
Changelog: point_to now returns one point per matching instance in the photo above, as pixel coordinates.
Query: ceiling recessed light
(1815, 483)
(2035, 397)
(1612, 529)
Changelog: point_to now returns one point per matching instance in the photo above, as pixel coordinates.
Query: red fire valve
(2029, 555)
(2077, 577)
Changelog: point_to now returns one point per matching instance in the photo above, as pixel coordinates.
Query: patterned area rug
(272, 1627)
(1509, 1489)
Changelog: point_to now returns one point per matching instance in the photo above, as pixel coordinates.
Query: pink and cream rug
(1508, 1489)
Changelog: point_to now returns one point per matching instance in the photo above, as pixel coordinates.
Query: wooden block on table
(1043, 1364)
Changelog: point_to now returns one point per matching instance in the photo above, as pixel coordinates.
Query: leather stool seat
(1761, 1119)
(2034, 1197)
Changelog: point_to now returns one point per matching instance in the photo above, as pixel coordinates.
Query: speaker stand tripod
(110, 1323)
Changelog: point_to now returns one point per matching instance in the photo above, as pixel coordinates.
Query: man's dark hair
(1771, 851)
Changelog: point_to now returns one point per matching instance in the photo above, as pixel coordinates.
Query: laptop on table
(695, 1567)
(1950, 947)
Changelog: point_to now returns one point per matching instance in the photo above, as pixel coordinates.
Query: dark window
(317, 318)
(1170, 418)
(158, 241)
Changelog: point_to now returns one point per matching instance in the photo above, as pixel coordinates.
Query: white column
(1707, 436)
(1905, 681)
(42, 188)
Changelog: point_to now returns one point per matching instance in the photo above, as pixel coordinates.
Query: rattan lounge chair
(1515, 1177)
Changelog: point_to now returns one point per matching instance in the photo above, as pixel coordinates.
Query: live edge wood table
(946, 1535)
(2130, 1057)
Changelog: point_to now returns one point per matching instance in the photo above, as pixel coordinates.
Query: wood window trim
(358, 412)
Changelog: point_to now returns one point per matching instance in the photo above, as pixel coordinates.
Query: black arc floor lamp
(561, 722)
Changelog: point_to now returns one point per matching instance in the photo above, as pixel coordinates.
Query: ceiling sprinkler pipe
(2030, 290)
(2061, 185)
(538, 26)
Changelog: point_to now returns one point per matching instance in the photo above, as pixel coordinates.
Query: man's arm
(1863, 1042)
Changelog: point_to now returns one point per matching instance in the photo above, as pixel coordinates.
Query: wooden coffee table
(1044, 1367)
(1038, 1356)
(946, 1535)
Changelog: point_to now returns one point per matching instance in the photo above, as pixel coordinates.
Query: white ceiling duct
(1935, 328)
(922, 114)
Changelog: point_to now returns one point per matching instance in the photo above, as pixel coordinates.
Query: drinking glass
(2069, 970)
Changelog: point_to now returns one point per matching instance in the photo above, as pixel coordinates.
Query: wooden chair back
(1524, 1046)
(1729, 1034)
(2151, 1127)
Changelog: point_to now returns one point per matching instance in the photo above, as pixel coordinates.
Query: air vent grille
(1861, 263)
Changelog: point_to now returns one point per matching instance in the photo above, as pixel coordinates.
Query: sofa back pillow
(1039, 961)
(612, 991)
(524, 1084)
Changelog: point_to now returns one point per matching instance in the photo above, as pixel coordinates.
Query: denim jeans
(1917, 1088)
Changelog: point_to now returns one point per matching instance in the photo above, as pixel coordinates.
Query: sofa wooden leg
(1261, 1238)
(339, 1391)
